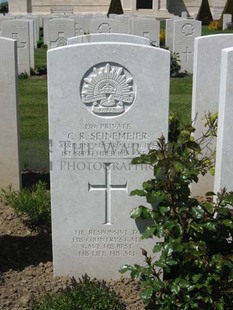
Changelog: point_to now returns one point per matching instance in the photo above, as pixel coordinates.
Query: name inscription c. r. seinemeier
(105, 141)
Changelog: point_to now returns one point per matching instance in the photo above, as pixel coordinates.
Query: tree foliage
(204, 13)
(115, 7)
(4, 7)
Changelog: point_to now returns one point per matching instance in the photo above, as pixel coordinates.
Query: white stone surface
(4, 19)
(104, 25)
(108, 37)
(9, 130)
(36, 27)
(184, 33)
(19, 30)
(227, 18)
(104, 109)
(205, 93)
(148, 28)
(59, 30)
(224, 149)
(184, 14)
(169, 32)
(79, 24)
(31, 42)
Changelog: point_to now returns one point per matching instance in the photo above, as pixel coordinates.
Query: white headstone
(19, 30)
(104, 110)
(185, 31)
(104, 25)
(31, 41)
(184, 14)
(227, 18)
(59, 30)
(224, 150)
(79, 24)
(109, 37)
(46, 19)
(36, 27)
(148, 28)
(205, 93)
(4, 19)
(10, 173)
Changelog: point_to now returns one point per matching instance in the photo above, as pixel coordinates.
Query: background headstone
(10, 173)
(59, 30)
(224, 150)
(184, 33)
(109, 37)
(227, 18)
(169, 32)
(148, 28)
(104, 25)
(20, 31)
(205, 92)
(103, 113)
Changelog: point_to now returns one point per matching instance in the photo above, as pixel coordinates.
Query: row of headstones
(58, 31)
(101, 115)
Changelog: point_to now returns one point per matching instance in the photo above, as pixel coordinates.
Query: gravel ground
(26, 268)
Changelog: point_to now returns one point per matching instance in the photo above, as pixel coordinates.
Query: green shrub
(34, 204)
(38, 71)
(23, 76)
(204, 14)
(175, 67)
(86, 294)
(196, 254)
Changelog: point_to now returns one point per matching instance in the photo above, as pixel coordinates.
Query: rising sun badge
(108, 90)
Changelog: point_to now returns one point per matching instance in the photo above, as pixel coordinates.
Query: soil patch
(26, 268)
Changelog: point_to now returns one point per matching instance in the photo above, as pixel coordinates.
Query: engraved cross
(186, 53)
(107, 188)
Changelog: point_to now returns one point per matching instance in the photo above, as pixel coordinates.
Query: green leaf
(193, 145)
(175, 288)
(139, 212)
(184, 283)
(196, 277)
(135, 274)
(163, 210)
(171, 262)
(209, 207)
(212, 171)
(125, 268)
(138, 192)
(147, 293)
(210, 194)
(197, 212)
(228, 223)
(158, 247)
(149, 232)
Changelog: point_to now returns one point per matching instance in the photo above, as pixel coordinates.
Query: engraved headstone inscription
(104, 110)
